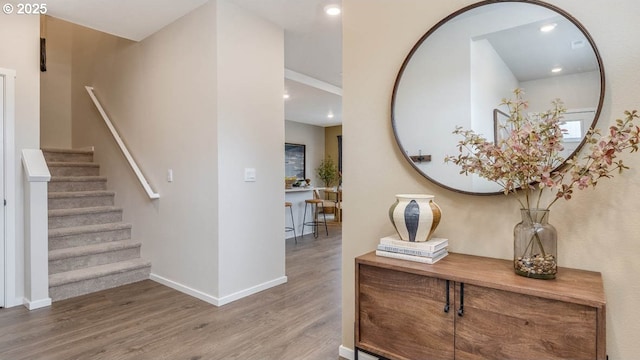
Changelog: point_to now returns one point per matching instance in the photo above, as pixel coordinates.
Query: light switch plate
(249, 174)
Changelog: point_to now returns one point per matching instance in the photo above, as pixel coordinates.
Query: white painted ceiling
(313, 47)
(313, 40)
(130, 19)
(313, 43)
(531, 54)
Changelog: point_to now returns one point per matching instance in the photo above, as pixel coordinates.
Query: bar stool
(339, 211)
(315, 203)
(289, 205)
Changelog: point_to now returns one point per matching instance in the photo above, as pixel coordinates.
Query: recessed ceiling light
(548, 27)
(332, 9)
(330, 116)
(286, 96)
(556, 69)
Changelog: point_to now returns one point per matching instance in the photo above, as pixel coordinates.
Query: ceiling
(313, 42)
(313, 48)
(130, 19)
(531, 54)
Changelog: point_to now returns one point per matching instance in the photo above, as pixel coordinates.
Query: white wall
(428, 82)
(250, 135)
(314, 138)
(577, 91)
(602, 239)
(20, 51)
(491, 81)
(161, 95)
(55, 85)
(202, 97)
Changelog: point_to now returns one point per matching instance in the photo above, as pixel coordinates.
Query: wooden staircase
(90, 247)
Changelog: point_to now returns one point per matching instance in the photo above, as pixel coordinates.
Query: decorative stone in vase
(535, 245)
(415, 216)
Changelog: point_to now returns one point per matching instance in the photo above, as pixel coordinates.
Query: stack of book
(428, 252)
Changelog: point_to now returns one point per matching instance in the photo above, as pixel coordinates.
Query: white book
(411, 250)
(421, 259)
(434, 244)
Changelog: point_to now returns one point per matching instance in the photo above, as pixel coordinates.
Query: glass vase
(535, 247)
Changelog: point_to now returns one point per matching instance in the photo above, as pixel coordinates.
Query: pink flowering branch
(529, 159)
(600, 162)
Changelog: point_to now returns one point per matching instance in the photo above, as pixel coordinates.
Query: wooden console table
(471, 307)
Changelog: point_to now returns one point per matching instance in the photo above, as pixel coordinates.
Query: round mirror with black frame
(458, 73)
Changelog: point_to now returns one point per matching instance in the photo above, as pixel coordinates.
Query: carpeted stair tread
(79, 198)
(92, 249)
(78, 178)
(83, 211)
(73, 168)
(96, 272)
(81, 235)
(77, 183)
(73, 164)
(52, 154)
(71, 217)
(79, 194)
(88, 229)
(67, 151)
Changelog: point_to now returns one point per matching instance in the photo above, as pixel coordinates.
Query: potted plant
(527, 161)
(327, 171)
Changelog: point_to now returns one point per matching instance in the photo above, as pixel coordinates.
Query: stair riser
(79, 262)
(70, 290)
(74, 170)
(81, 202)
(57, 222)
(68, 157)
(91, 238)
(60, 186)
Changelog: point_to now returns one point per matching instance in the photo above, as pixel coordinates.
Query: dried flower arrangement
(528, 159)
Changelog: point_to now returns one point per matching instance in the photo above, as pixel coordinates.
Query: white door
(2, 205)
(7, 190)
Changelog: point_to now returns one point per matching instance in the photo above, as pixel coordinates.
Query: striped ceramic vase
(415, 216)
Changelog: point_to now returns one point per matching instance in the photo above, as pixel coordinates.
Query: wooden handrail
(123, 147)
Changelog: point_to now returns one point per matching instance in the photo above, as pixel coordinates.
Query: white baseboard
(252, 290)
(37, 304)
(11, 301)
(213, 299)
(185, 289)
(347, 353)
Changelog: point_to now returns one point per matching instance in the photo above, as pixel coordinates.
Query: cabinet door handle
(461, 309)
(446, 306)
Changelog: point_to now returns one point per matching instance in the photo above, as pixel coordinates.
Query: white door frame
(7, 160)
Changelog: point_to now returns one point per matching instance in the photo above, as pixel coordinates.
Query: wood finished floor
(146, 320)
